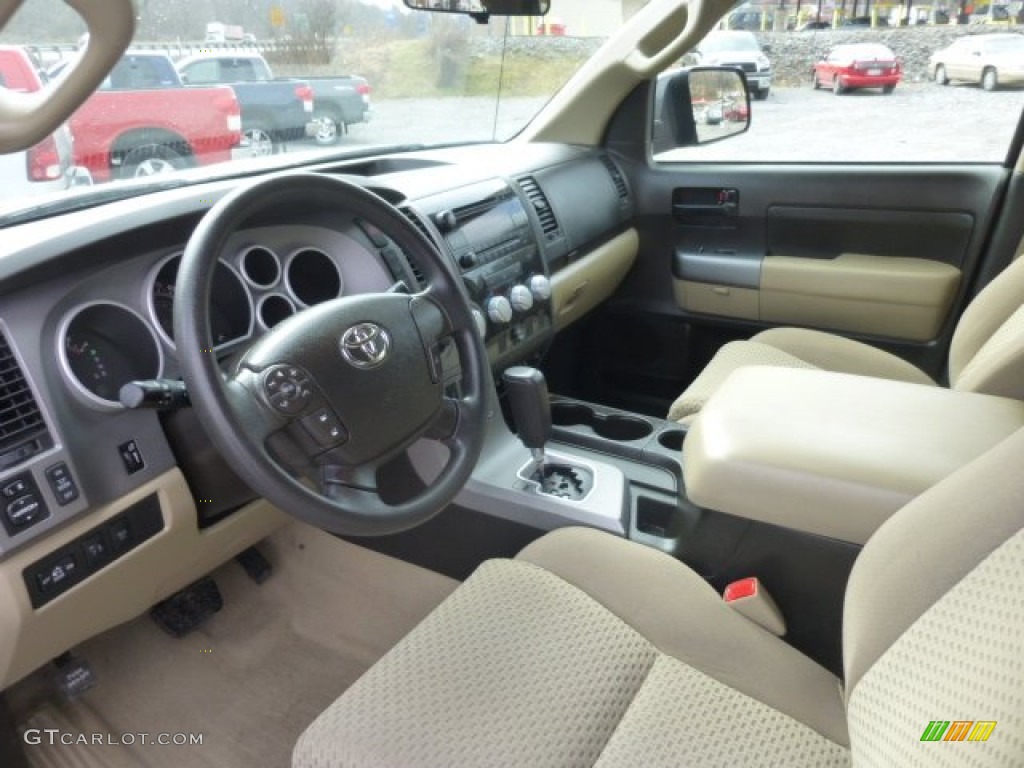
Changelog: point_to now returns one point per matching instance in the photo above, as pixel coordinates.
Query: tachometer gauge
(230, 306)
(103, 346)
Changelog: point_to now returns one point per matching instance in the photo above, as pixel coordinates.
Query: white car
(991, 60)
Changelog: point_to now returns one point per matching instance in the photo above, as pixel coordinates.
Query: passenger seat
(986, 355)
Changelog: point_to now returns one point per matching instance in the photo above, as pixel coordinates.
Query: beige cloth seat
(986, 354)
(588, 650)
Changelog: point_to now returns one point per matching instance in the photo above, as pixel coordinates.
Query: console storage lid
(831, 453)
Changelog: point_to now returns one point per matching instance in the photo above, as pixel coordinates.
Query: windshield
(209, 86)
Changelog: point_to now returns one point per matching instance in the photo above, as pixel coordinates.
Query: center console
(832, 454)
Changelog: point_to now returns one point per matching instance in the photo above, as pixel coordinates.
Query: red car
(858, 65)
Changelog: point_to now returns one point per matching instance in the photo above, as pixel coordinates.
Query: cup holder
(672, 439)
(613, 426)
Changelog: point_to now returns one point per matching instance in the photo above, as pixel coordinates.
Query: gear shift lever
(531, 409)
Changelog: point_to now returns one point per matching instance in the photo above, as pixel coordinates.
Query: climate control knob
(480, 322)
(499, 310)
(520, 298)
(540, 287)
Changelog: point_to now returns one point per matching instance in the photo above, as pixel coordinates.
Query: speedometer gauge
(103, 346)
(230, 306)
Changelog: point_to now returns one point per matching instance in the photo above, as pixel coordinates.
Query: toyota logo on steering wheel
(365, 345)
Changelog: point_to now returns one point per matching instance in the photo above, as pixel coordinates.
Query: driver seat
(588, 650)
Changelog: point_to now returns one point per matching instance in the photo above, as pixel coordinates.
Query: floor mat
(250, 679)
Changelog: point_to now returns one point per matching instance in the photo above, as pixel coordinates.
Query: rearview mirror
(699, 105)
(483, 8)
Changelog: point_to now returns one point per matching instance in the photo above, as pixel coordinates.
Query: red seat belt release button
(750, 598)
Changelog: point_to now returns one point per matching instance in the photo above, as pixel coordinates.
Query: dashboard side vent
(617, 178)
(22, 429)
(533, 192)
(417, 222)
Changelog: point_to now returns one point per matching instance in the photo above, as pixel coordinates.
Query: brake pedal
(256, 566)
(188, 609)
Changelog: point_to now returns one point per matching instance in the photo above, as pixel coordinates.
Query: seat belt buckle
(749, 598)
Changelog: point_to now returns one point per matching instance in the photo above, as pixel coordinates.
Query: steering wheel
(309, 413)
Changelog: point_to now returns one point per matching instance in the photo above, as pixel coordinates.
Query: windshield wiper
(87, 198)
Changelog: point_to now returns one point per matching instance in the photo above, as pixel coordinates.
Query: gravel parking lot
(917, 123)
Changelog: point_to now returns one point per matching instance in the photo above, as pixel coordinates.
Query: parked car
(857, 65)
(273, 113)
(142, 121)
(740, 49)
(49, 165)
(736, 111)
(991, 60)
(337, 102)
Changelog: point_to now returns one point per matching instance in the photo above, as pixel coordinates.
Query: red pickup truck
(46, 167)
(142, 121)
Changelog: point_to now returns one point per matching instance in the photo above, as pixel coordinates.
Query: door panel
(884, 254)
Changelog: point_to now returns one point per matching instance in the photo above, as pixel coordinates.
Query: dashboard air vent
(533, 192)
(617, 178)
(412, 216)
(22, 429)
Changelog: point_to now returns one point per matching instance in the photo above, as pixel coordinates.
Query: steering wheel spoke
(445, 425)
(256, 419)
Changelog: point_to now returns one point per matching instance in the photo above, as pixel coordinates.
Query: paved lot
(916, 123)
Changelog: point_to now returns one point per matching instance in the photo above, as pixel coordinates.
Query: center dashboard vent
(617, 178)
(533, 192)
(23, 431)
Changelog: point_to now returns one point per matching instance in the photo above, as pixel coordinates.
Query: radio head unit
(491, 238)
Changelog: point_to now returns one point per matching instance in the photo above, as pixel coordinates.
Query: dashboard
(87, 304)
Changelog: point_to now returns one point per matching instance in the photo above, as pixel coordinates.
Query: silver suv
(740, 49)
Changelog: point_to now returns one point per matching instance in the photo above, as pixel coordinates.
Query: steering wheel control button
(325, 428)
(365, 345)
(287, 388)
(131, 457)
(62, 483)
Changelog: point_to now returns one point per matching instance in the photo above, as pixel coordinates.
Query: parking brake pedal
(184, 611)
(73, 675)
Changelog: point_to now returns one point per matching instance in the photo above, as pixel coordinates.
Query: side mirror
(766, 48)
(699, 105)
